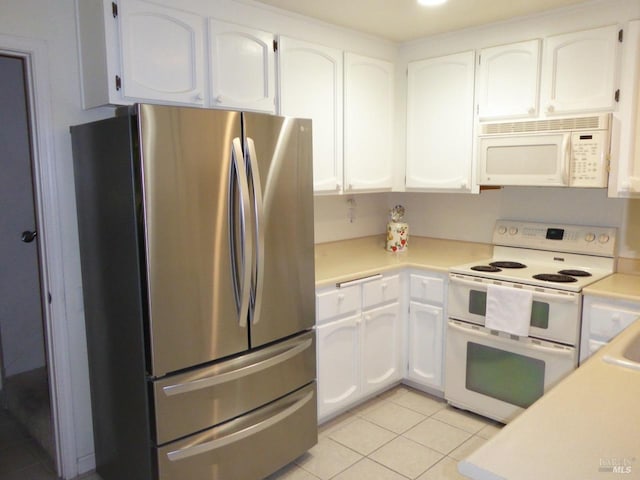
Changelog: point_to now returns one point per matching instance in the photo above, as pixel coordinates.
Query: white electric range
(496, 373)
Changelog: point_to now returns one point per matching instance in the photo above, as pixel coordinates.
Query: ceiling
(404, 20)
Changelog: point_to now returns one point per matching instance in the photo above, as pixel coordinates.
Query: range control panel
(588, 240)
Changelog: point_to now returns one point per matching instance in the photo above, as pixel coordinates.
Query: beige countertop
(619, 286)
(359, 257)
(579, 430)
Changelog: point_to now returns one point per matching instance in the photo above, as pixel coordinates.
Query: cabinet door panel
(426, 340)
(368, 123)
(579, 71)
(162, 53)
(338, 364)
(440, 122)
(381, 341)
(242, 66)
(311, 87)
(508, 81)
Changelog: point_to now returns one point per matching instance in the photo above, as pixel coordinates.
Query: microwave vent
(596, 122)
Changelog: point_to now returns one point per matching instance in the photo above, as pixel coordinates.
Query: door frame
(50, 245)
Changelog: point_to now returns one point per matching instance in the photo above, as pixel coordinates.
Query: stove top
(523, 254)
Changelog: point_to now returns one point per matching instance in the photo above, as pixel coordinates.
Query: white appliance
(498, 374)
(569, 152)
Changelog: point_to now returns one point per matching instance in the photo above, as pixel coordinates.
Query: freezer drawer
(249, 447)
(205, 397)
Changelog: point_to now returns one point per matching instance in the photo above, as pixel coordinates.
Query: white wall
(472, 217)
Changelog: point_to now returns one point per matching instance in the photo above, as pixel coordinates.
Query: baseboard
(86, 463)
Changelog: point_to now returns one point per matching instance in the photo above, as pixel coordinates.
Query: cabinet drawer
(340, 301)
(607, 321)
(380, 291)
(427, 289)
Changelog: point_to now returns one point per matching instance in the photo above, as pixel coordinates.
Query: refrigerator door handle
(242, 283)
(258, 206)
(242, 371)
(239, 435)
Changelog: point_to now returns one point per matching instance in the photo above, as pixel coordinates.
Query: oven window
(539, 310)
(510, 377)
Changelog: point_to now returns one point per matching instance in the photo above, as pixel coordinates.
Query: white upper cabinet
(368, 123)
(624, 180)
(311, 86)
(508, 82)
(242, 67)
(162, 53)
(579, 71)
(440, 114)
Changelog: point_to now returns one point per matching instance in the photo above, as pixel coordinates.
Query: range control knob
(603, 238)
(502, 229)
(590, 237)
(513, 230)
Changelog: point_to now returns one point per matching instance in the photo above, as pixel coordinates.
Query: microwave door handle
(566, 153)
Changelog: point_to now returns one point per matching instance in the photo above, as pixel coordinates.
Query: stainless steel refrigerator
(196, 241)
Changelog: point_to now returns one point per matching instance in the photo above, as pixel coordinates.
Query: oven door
(555, 314)
(498, 375)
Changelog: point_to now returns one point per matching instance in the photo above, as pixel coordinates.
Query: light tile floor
(401, 434)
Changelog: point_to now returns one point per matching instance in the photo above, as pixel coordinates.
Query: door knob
(28, 237)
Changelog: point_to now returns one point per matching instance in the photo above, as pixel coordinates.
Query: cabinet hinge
(114, 9)
(275, 45)
(620, 35)
(616, 96)
(118, 82)
(479, 59)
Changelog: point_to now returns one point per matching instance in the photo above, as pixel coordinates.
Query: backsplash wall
(471, 217)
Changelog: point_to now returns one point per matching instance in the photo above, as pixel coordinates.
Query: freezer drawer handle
(240, 435)
(200, 384)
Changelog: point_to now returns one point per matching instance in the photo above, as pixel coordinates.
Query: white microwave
(569, 152)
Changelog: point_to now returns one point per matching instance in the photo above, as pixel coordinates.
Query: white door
(338, 364)
(508, 81)
(368, 123)
(242, 67)
(579, 71)
(440, 123)
(311, 87)
(426, 330)
(162, 54)
(381, 348)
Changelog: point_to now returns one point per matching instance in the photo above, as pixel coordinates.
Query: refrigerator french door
(196, 238)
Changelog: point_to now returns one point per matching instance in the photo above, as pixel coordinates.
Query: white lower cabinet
(603, 319)
(338, 364)
(426, 345)
(426, 330)
(359, 337)
(381, 348)
(367, 342)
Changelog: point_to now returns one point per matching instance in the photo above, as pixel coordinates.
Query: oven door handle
(568, 297)
(479, 331)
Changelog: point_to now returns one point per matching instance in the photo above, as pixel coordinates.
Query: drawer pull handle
(244, 371)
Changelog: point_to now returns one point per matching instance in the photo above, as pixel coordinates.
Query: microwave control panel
(589, 163)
